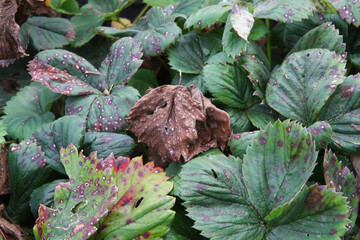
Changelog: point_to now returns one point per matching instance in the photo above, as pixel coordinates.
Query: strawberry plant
(179, 119)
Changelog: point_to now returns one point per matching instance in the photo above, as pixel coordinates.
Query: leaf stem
(141, 13)
(10, 142)
(268, 42)
(122, 23)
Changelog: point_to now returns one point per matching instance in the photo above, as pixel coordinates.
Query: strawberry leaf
(239, 121)
(277, 165)
(241, 20)
(79, 203)
(65, 6)
(321, 132)
(261, 114)
(46, 33)
(232, 43)
(348, 10)
(315, 213)
(3, 133)
(62, 132)
(283, 10)
(341, 112)
(27, 169)
(28, 110)
(142, 206)
(240, 141)
(300, 87)
(339, 177)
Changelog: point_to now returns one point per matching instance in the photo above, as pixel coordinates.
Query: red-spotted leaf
(79, 203)
(349, 10)
(27, 170)
(29, 110)
(316, 213)
(62, 132)
(283, 10)
(256, 63)
(321, 132)
(277, 165)
(241, 20)
(339, 177)
(216, 198)
(46, 33)
(300, 87)
(240, 141)
(142, 207)
(341, 112)
(323, 6)
(323, 36)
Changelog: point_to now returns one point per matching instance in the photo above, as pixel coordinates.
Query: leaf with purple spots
(324, 36)
(339, 177)
(256, 64)
(122, 62)
(27, 169)
(104, 113)
(283, 10)
(240, 141)
(232, 43)
(321, 132)
(106, 143)
(79, 203)
(192, 50)
(323, 6)
(278, 164)
(29, 110)
(67, 73)
(349, 10)
(209, 15)
(316, 213)
(300, 87)
(341, 112)
(62, 132)
(142, 206)
(242, 20)
(216, 198)
(47, 33)
(229, 84)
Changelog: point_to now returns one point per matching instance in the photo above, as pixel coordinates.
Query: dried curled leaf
(175, 122)
(9, 231)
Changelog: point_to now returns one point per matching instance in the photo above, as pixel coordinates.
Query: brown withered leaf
(8, 230)
(13, 13)
(177, 122)
(4, 176)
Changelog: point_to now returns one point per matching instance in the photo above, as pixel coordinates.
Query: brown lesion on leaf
(177, 123)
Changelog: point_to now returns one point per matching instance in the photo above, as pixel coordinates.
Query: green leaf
(233, 44)
(239, 121)
(106, 143)
(29, 110)
(261, 114)
(209, 15)
(159, 3)
(104, 113)
(60, 133)
(192, 50)
(348, 10)
(339, 177)
(241, 20)
(43, 195)
(323, 6)
(79, 203)
(240, 141)
(256, 63)
(142, 207)
(3, 133)
(184, 8)
(216, 198)
(143, 80)
(341, 111)
(189, 79)
(258, 31)
(321, 132)
(48, 33)
(315, 213)
(108, 8)
(323, 36)
(27, 169)
(85, 25)
(229, 84)
(277, 165)
(300, 87)
(65, 6)
(283, 10)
